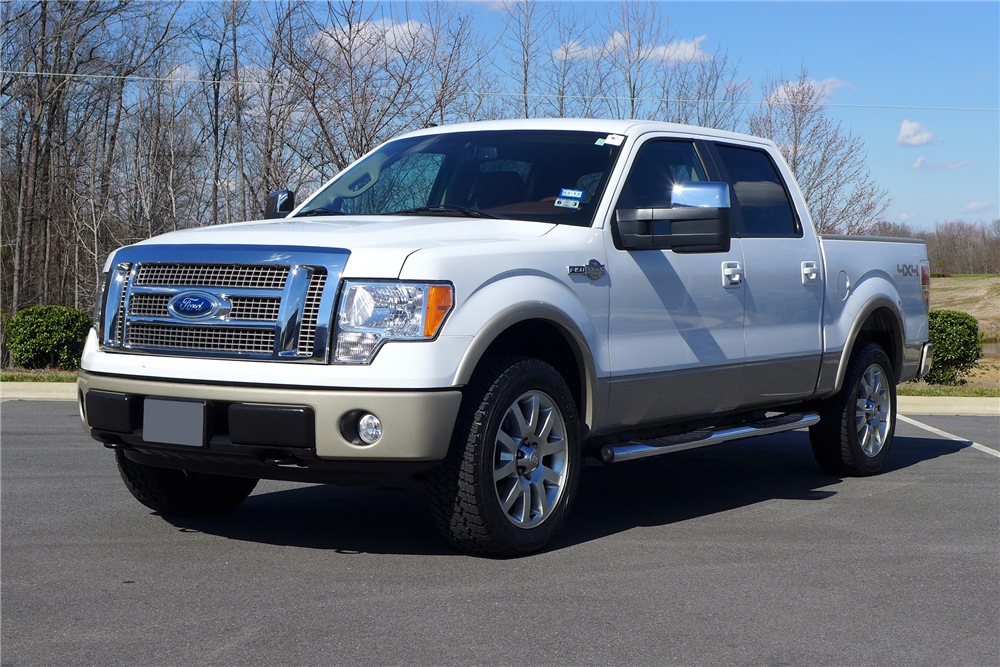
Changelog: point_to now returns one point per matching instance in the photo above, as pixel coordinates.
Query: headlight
(371, 313)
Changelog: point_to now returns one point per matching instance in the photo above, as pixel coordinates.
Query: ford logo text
(193, 305)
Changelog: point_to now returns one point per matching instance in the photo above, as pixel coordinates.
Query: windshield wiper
(442, 209)
(319, 211)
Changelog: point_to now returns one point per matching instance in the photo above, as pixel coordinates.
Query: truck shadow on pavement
(612, 498)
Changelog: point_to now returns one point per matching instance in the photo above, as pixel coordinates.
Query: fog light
(369, 429)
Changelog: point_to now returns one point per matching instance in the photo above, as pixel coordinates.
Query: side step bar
(640, 449)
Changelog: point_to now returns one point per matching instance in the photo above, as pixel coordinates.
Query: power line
(274, 84)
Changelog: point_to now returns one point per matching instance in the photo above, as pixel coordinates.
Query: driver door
(676, 320)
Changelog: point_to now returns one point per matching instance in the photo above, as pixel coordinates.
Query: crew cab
(470, 310)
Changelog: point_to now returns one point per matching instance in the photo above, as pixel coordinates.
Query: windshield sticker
(614, 139)
(568, 203)
(566, 193)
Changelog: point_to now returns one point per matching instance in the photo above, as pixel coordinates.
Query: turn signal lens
(438, 305)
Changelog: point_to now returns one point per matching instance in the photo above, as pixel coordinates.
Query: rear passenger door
(784, 293)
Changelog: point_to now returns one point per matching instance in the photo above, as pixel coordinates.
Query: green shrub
(47, 337)
(958, 345)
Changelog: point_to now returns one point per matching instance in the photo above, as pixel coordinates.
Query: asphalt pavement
(739, 554)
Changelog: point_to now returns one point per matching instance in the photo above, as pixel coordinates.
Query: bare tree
(360, 72)
(633, 54)
(524, 22)
(705, 90)
(455, 52)
(829, 161)
(564, 63)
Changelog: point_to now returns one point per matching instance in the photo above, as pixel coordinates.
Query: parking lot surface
(743, 553)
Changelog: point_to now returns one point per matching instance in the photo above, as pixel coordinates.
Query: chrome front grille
(201, 339)
(252, 308)
(310, 313)
(120, 310)
(149, 305)
(213, 275)
(224, 302)
(258, 309)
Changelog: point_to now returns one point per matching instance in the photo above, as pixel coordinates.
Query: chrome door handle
(810, 273)
(732, 274)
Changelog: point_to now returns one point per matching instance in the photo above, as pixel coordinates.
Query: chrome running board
(639, 449)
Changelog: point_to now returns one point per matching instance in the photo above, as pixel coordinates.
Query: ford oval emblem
(193, 305)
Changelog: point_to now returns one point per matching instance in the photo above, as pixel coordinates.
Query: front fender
(497, 306)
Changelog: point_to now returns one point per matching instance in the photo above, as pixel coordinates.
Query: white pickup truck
(470, 310)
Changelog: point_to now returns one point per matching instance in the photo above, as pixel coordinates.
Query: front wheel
(511, 473)
(856, 428)
(171, 491)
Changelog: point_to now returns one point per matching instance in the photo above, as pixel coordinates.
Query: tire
(180, 492)
(510, 477)
(855, 432)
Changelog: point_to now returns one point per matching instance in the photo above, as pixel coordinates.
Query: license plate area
(173, 422)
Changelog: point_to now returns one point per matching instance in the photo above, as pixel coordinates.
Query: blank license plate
(173, 422)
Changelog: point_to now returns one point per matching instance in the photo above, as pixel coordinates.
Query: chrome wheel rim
(873, 411)
(530, 459)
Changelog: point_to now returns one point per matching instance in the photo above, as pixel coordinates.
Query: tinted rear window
(759, 192)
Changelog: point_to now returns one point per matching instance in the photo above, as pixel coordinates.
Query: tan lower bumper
(416, 425)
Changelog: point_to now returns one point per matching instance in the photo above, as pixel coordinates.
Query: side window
(759, 192)
(656, 168)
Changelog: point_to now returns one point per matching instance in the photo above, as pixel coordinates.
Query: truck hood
(378, 244)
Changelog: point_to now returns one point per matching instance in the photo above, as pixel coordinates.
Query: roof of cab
(627, 127)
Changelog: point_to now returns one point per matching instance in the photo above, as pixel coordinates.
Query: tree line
(954, 247)
(121, 120)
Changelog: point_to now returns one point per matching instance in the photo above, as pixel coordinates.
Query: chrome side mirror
(279, 204)
(699, 194)
(697, 221)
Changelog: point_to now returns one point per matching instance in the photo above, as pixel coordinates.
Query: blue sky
(894, 53)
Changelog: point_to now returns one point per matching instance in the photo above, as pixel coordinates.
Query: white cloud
(922, 163)
(906, 217)
(395, 36)
(575, 50)
(824, 90)
(681, 51)
(675, 52)
(976, 206)
(827, 87)
(183, 72)
(913, 134)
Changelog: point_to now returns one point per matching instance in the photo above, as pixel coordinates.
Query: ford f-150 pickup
(470, 310)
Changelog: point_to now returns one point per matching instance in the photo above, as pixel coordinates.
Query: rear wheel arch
(879, 321)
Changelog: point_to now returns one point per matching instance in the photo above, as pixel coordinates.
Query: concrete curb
(38, 391)
(946, 405)
(907, 405)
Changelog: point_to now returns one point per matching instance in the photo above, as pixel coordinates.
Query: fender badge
(594, 270)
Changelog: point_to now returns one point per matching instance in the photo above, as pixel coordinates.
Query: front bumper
(416, 425)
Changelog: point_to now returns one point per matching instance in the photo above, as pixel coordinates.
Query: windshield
(540, 175)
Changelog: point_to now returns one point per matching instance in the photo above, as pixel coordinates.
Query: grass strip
(911, 389)
(37, 375)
